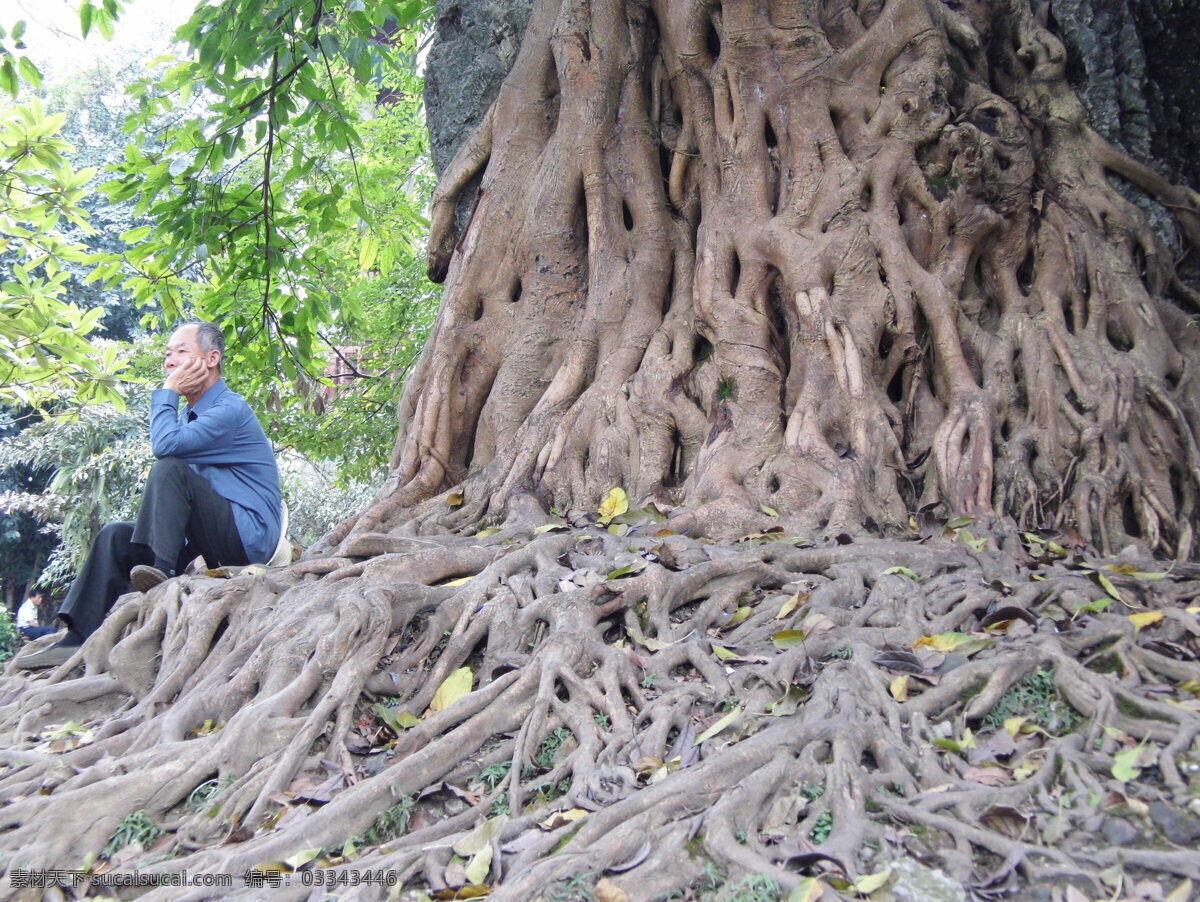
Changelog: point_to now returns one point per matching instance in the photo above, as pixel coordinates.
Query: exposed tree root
(237, 716)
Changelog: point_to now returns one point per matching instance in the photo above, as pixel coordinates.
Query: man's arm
(204, 440)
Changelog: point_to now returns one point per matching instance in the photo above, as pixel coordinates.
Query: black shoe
(47, 657)
(143, 577)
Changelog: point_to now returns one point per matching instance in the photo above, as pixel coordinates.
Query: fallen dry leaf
(607, 891)
(988, 776)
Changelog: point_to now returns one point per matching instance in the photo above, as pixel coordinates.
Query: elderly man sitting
(213, 491)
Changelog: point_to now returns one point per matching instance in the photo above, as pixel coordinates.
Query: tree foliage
(255, 186)
(45, 350)
(99, 460)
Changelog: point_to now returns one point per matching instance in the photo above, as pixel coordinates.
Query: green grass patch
(1036, 698)
(136, 827)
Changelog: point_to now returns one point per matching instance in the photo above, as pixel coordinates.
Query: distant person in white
(27, 617)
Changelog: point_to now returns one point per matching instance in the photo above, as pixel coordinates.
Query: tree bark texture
(840, 261)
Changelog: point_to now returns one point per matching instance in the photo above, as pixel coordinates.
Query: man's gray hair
(210, 338)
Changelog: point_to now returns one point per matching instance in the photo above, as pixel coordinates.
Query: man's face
(183, 346)
(37, 598)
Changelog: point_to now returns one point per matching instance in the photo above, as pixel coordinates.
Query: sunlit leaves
(45, 352)
(15, 67)
(616, 502)
(276, 183)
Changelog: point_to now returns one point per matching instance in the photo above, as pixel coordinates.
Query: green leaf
(785, 639)
(395, 721)
(739, 616)
(85, 17)
(1106, 585)
(1124, 766)
(636, 567)
(949, 744)
(902, 571)
(8, 77)
(29, 71)
(720, 725)
(1099, 606)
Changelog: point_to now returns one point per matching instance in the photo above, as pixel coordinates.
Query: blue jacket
(225, 444)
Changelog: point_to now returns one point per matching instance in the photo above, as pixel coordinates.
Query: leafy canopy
(255, 184)
(45, 351)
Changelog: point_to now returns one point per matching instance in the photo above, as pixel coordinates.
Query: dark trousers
(35, 632)
(180, 517)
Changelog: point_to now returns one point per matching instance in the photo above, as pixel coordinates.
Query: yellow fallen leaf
(810, 890)
(943, 642)
(1181, 893)
(300, 859)
(899, 688)
(791, 604)
(455, 499)
(614, 504)
(1192, 686)
(461, 581)
(1013, 725)
(607, 891)
(480, 865)
(454, 687)
(723, 653)
(562, 818)
(867, 884)
(1145, 618)
(1125, 764)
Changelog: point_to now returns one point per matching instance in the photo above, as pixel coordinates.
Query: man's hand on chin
(188, 377)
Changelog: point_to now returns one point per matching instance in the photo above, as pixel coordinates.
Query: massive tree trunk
(843, 275)
(840, 262)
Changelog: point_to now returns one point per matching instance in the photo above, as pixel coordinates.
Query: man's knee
(168, 466)
(114, 535)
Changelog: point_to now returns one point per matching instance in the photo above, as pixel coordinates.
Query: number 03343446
(349, 877)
